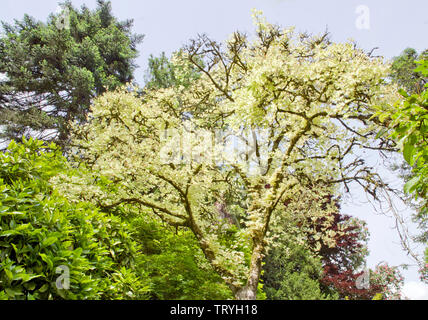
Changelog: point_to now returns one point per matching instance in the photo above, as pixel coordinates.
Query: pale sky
(391, 26)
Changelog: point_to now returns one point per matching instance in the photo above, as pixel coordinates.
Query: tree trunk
(249, 291)
(246, 293)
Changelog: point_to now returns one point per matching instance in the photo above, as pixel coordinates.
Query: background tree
(424, 269)
(342, 259)
(389, 281)
(163, 72)
(293, 273)
(160, 73)
(403, 71)
(51, 71)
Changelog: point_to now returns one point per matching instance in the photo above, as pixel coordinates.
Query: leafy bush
(40, 231)
(176, 264)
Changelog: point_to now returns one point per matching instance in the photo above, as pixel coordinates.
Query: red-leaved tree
(341, 261)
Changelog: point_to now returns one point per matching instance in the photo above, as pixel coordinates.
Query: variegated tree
(268, 119)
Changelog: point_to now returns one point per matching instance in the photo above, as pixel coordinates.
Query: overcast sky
(389, 25)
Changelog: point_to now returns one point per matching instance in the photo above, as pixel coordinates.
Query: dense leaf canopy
(51, 72)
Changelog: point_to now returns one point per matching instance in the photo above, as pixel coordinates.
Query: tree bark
(249, 291)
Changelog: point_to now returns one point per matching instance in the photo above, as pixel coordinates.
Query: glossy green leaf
(411, 184)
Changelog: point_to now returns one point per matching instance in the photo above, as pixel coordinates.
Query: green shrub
(42, 232)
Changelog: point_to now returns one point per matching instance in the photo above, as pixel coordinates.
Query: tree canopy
(221, 178)
(52, 71)
(298, 104)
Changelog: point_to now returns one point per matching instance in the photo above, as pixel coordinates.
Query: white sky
(169, 24)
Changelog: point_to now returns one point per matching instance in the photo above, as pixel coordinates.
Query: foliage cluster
(41, 231)
(115, 254)
(52, 73)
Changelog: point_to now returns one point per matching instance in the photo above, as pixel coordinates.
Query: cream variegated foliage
(304, 104)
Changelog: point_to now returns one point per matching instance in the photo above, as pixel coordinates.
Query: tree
(300, 104)
(165, 73)
(388, 280)
(338, 241)
(404, 75)
(424, 269)
(52, 71)
(292, 273)
(407, 122)
(294, 267)
(403, 71)
(160, 73)
(344, 255)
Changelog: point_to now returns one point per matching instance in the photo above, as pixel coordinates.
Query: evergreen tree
(51, 71)
(293, 276)
(403, 72)
(164, 72)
